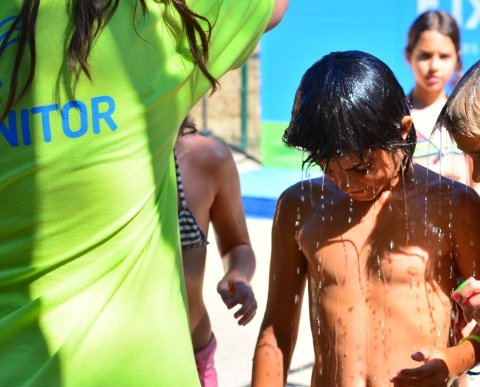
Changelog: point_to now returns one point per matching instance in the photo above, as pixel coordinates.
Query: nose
(434, 63)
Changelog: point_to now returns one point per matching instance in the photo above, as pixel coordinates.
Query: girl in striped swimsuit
(208, 181)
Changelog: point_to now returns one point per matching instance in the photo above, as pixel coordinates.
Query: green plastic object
(462, 285)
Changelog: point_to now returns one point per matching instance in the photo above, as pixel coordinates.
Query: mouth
(433, 79)
(361, 195)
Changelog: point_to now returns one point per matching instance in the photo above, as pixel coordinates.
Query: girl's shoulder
(205, 150)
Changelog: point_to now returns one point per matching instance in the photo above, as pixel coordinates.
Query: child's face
(364, 180)
(433, 61)
(471, 147)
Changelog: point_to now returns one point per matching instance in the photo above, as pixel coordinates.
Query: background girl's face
(365, 179)
(433, 61)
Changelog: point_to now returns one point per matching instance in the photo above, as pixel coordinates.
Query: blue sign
(313, 28)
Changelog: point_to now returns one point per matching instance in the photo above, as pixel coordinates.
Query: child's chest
(388, 244)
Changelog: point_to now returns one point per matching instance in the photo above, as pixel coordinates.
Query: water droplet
(392, 245)
(296, 299)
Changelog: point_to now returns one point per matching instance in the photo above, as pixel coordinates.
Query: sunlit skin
(212, 190)
(381, 246)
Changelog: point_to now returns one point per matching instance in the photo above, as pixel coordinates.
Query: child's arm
(278, 332)
(466, 235)
(234, 287)
(448, 363)
(233, 241)
(441, 365)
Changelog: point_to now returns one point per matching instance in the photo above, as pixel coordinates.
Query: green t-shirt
(91, 286)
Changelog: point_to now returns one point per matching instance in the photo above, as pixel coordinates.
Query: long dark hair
(347, 103)
(89, 17)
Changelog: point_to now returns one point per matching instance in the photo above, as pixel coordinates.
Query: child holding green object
(461, 118)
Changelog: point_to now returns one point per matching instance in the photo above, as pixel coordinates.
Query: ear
(406, 125)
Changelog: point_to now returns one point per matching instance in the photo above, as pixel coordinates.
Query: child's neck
(422, 99)
(396, 184)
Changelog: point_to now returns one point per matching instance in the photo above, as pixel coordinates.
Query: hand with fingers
(434, 372)
(235, 289)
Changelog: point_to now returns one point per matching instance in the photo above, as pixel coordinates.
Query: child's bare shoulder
(454, 195)
(205, 154)
(438, 187)
(462, 195)
(304, 194)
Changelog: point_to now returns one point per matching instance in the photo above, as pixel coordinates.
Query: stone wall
(221, 112)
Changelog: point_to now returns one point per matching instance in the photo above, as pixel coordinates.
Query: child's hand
(468, 297)
(434, 371)
(235, 289)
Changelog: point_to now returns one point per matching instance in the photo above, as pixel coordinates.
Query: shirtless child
(381, 242)
(460, 116)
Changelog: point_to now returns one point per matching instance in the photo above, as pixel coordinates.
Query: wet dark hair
(347, 103)
(461, 112)
(442, 22)
(88, 19)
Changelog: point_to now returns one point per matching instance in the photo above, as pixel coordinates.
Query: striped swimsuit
(190, 233)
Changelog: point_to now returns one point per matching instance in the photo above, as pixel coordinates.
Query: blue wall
(313, 28)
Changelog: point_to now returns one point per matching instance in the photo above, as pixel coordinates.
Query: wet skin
(381, 261)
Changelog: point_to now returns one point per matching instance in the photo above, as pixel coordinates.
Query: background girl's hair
(89, 17)
(441, 22)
